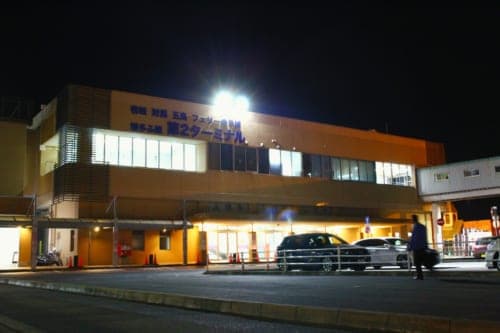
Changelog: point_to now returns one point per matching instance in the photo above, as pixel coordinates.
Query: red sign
(440, 222)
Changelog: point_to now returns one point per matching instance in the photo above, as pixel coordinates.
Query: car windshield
(336, 240)
(484, 241)
(397, 241)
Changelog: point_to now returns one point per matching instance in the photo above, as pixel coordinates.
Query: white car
(386, 251)
(493, 253)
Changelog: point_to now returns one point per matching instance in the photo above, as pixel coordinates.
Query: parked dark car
(320, 251)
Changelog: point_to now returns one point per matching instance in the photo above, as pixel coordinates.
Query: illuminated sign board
(177, 123)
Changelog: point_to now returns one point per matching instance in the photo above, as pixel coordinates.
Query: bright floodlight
(241, 104)
(223, 102)
(228, 106)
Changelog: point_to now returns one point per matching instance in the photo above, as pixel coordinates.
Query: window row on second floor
(132, 150)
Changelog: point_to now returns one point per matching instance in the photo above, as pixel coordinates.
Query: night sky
(402, 67)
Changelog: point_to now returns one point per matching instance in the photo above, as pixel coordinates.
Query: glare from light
(230, 107)
(241, 104)
(97, 229)
(223, 103)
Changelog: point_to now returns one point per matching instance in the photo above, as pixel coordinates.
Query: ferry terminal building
(113, 177)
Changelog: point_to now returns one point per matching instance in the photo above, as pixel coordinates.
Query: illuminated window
(345, 173)
(274, 162)
(152, 153)
(177, 156)
(98, 146)
(111, 149)
(165, 155)
(354, 170)
(296, 164)
(286, 163)
(440, 177)
(190, 157)
(336, 169)
(139, 152)
(125, 151)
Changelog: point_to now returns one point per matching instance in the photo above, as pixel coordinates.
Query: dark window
(239, 158)
(306, 165)
(165, 240)
(226, 157)
(497, 168)
(316, 165)
(251, 158)
(138, 240)
(362, 171)
(214, 156)
(263, 160)
(370, 172)
(471, 173)
(72, 240)
(326, 168)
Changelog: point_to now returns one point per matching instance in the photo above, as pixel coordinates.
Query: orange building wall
(305, 136)
(101, 247)
(13, 157)
(226, 186)
(25, 247)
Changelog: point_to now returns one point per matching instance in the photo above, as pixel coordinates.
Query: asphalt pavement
(455, 297)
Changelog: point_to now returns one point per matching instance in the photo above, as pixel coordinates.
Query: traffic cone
(80, 263)
(146, 260)
(238, 258)
(70, 262)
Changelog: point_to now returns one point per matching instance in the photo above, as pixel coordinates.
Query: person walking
(418, 245)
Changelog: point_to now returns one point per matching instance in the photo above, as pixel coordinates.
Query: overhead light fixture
(228, 106)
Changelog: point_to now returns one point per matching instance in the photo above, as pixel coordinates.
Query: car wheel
(402, 261)
(327, 264)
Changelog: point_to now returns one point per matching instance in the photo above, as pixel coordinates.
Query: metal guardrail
(327, 259)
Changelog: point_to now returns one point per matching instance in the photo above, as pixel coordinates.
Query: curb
(304, 315)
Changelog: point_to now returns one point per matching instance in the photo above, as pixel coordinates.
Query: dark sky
(425, 71)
